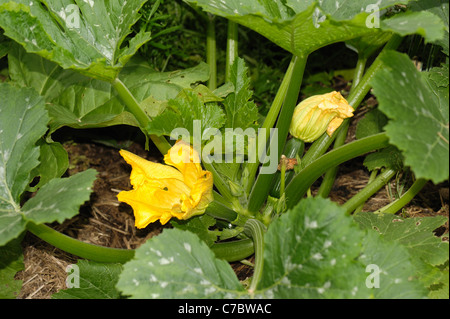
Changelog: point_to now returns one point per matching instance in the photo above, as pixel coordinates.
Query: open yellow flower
(181, 190)
(319, 113)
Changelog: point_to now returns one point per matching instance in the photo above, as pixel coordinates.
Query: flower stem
(133, 106)
(306, 177)
(211, 58)
(264, 182)
(255, 230)
(330, 175)
(321, 145)
(369, 190)
(395, 206)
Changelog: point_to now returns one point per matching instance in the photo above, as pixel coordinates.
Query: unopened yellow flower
(181, 190)
(319, 113)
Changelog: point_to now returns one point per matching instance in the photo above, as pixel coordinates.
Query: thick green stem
(301, 183)
(369, 190)
(270, 120)
(230, 251)
(321, 145)
(232, 48)
(264, 182)
(79, 248)
(395, 206)
(133, 106)
(211, 58)
(255, 230)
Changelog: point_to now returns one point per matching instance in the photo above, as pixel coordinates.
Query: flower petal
(144, 170)
(186, 159)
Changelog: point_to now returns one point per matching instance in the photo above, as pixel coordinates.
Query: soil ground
(105, 221)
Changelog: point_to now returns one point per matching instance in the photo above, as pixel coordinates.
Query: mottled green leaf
(301, 27)
(88, 36)
(177, 264)
(427, 24)
(414, 233)
(23, 120)
(418, 115)
(315, 256)
(80, 102)
(96, 281)
(59, 199)
(11, 261)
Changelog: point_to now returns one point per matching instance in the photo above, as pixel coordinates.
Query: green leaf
(97, 281)
(79, 102)
(11, 261)
(439, 8)
(46, 77)
(416, 234)
(240, 112)
(198, 225)
(177, 264)
(372, 123)
(59, 199)
(54, 162)
(419, 119)
(427, 251)
(314, 258)
(23, 120)
(182, 112)
(70, 33)
(394, 266)
(300, 27)
(389, 157)
(427, 24)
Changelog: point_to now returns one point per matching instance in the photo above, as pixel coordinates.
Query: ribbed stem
(369, 190)
(255, 230)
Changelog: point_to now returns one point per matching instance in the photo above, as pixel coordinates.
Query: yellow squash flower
(181, 190)
(319, 113)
